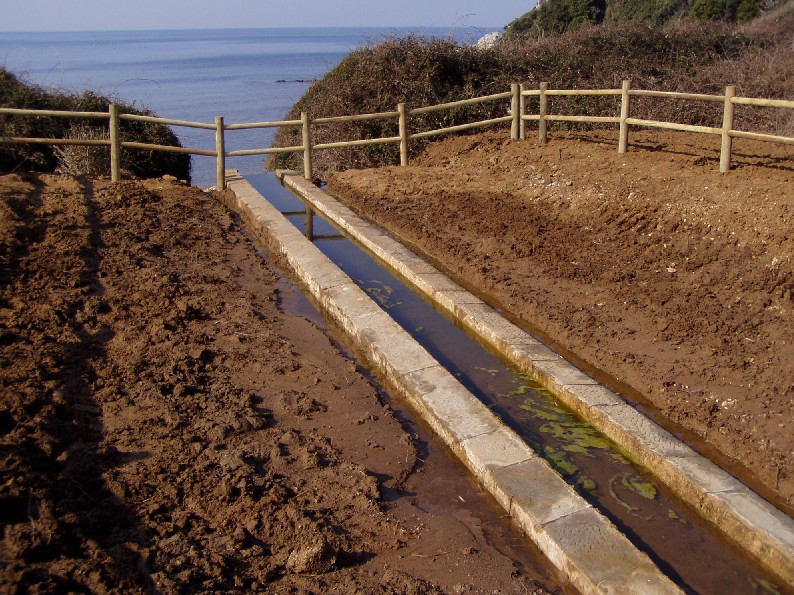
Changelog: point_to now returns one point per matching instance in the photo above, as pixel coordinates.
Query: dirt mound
(669, 280)
(165, 426)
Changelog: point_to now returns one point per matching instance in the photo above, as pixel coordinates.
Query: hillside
(559, 16)
(691, 57)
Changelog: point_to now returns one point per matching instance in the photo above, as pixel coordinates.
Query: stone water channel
(684, 547)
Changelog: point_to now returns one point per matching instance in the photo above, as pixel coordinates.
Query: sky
(114, 15)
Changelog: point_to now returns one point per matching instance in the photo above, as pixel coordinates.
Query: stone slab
(600, 559)
(486, 453)
(460, 416)
(644, 439)
(535, 494)
(559, 373)
(526, 352)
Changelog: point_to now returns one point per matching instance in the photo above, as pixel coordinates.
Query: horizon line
(499, 28)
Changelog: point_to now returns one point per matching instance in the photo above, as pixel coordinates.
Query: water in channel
(686, 549)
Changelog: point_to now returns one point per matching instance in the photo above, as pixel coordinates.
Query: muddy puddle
(685, 548)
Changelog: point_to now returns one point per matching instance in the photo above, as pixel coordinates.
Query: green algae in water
(576, 437)
(562, 464)
(631, 509)
(488, 371)
(560, 461)
(579, 436)
(539, 413)
(639, 486)
(381, 294)
(673, 516)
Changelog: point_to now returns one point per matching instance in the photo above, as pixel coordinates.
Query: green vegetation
(79, 160)
(695, 57)
(559, 16)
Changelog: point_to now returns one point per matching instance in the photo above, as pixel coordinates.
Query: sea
(244, 75)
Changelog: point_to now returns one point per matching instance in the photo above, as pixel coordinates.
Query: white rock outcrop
(488, 40)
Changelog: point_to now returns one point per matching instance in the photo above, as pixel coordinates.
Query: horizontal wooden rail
(168, 149)
(574, 92)
(15, 140)
(588, 119)
(763, 102)
(12, 111)
(460, 127)
(674, 126)
(676, 95)
(252, 125)
(770, 138)
(165, 121)
(461, 103)
(358, 118)
(270, 151)
(359, 143)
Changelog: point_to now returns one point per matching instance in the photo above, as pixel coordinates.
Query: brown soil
(672, 281)
(165, 426)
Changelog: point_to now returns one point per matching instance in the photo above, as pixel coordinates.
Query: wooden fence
(518, 118)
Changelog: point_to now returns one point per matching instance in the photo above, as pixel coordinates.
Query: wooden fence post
(727, 126)
(543, 107)
(522, 108)
(403, 134)
(307, 145)
(515, 111)
(115, 144)
(220, 149)
(623, 142)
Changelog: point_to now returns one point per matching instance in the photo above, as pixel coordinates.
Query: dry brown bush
(83, 160)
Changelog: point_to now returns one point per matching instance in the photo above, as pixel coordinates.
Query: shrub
(747, 11)
(83, 160)
(558, 16)
(143, 164)
(708, 10)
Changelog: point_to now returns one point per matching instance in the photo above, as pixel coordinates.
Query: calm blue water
(197, 75)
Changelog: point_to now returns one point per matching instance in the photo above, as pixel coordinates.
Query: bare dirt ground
(673, 282)
(166, 427)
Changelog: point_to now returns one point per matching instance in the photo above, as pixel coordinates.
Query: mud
(166, 427)
(661, 276)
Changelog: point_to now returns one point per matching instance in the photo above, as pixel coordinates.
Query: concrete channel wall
(585, 546)
(753, 524)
